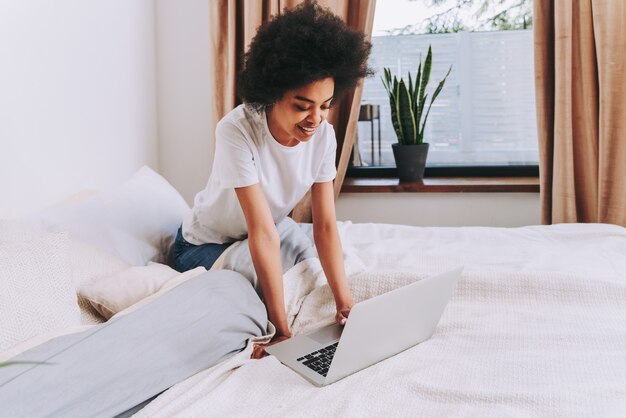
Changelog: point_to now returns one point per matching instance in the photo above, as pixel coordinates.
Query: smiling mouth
(307, 131)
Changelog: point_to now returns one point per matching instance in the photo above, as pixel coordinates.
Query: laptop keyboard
(319, 360)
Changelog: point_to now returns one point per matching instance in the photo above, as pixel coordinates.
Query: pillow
(37, 294)
(113, 294)
(137, 221)
(86, 262)
(89, 262)
(167, 286)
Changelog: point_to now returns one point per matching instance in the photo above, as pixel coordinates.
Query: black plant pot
(410, 160)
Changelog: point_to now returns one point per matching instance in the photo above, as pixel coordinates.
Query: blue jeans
(186, 256)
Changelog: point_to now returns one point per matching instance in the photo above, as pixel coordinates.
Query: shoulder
(232, 119)
(241, 116)
(241, 122)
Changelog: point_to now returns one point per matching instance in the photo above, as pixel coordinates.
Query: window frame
(531, 170)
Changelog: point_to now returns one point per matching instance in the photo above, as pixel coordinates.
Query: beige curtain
(233, 24)
(580, 65)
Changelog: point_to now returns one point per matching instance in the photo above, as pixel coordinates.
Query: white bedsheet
(537, 327)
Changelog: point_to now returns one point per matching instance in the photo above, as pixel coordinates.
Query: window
(485, 115)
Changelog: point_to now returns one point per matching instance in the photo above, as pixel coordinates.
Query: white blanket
(537, 327)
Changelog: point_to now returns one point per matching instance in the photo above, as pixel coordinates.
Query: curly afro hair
(303, 45)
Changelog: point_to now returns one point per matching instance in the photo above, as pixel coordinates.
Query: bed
(536, 327)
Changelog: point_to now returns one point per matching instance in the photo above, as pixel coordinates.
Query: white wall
(441, 209)
(184, 113)
(77, 97)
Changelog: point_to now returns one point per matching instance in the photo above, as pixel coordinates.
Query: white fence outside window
(485, 114)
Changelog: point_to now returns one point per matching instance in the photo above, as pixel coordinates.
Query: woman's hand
(342, 314)
(258, 351)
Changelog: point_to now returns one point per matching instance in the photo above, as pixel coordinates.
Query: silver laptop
(376, 329)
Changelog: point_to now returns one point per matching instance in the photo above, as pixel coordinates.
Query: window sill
(443, 185)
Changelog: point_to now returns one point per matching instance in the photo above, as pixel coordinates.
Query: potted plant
(408, 117)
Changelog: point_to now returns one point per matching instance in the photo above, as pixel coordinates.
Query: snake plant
(408, 101)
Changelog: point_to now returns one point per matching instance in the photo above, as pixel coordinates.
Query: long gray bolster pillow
(114, 366)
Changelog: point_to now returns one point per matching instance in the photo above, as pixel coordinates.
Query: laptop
(376, 329)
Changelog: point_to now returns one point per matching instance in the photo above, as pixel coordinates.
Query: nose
(316, 116)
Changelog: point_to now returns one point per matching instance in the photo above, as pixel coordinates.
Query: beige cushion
(112, 294)
(167, 286)
(37, 294)
(91, 263)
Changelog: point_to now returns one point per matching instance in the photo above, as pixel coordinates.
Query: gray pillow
(114, 366)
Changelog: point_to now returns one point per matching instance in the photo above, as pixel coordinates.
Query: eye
(306, 109)
(329, 105)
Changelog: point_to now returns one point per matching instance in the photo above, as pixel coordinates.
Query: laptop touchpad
(327, 334)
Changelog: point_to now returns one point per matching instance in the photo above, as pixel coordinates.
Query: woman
(275, 147)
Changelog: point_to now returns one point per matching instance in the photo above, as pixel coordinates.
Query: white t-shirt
(245, 154)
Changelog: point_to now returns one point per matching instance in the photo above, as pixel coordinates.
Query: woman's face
(297, 115)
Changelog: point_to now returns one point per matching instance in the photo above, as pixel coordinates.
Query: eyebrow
(304, 99)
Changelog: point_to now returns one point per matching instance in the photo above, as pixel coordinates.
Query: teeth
(307, 129)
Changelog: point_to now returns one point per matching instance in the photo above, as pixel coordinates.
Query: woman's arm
(264, 245)
(328, 246)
